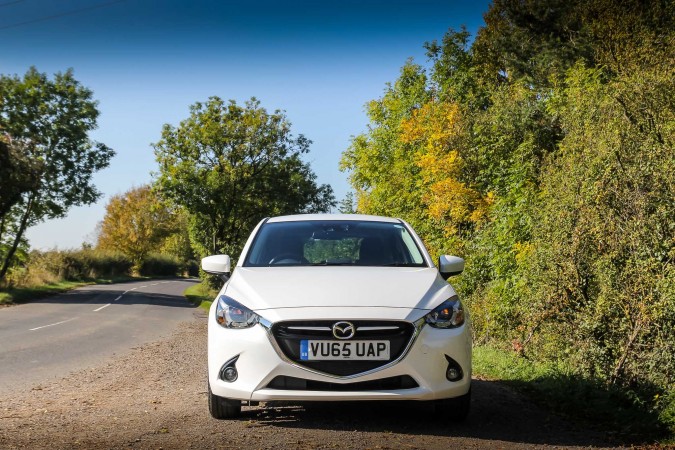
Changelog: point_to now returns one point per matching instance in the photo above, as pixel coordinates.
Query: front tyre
(455, 409)
(223, 408)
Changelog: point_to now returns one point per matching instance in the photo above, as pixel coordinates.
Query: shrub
(71, 265)
(161, 265)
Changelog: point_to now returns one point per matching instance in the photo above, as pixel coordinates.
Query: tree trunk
(17, 238)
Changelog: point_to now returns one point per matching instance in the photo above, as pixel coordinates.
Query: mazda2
(337, 307)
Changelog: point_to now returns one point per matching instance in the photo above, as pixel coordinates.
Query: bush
(667, 412)
(99, 264)
(71, 265)
(160, 265)
(192, 268)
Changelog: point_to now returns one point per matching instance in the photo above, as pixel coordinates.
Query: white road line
(96, 310)
(52, 324)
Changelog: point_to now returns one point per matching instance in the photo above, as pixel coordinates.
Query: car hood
(337, 292)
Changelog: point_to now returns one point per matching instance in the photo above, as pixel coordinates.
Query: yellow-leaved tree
(136, 223)
(438, 133)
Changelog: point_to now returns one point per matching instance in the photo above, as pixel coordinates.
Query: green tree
(177, 244)
(230, 166)
(532, 40)
(49, 121)
(18, 176)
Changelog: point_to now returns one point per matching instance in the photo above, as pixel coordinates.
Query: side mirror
(450, 265)
(217, 265)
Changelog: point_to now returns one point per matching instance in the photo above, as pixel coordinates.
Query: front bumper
(260, 361)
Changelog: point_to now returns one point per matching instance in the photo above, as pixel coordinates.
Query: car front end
(307, 329)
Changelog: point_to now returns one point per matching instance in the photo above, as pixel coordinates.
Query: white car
(339, 307)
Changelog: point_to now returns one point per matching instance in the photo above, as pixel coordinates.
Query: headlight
(449, 314)
(232, 314)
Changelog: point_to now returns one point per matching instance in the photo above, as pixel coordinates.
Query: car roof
(309, 217)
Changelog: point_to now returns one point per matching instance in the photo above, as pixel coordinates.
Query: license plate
(311, 350)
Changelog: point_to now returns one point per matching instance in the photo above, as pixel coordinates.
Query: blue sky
(148, 60)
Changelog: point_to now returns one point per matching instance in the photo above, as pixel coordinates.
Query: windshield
(335, 243)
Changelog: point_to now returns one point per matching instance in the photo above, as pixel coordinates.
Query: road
(47, 339)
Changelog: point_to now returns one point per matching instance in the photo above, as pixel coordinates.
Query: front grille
(289, 334)
(384, 384)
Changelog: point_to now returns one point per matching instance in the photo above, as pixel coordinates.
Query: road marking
(118, 298)
(104, 306)
(52, 324)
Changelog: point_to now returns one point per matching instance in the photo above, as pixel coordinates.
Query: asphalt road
(45, 340)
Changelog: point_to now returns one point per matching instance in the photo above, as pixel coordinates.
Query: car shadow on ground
(497, 414)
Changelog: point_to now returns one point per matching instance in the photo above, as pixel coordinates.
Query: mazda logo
(344, 330)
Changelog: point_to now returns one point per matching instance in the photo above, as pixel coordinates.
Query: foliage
(543, 153)
(347, 204)
(177, 243)
(230, 166)
(157, 264)
(383, 169)
(19, 174)
(53, 160)
(534, 41)
(71, 265)
(137, 223)
(451, 204)
(604, 234)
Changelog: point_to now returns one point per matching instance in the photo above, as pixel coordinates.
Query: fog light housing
(229, 371)
(454, 370)
(229, 374)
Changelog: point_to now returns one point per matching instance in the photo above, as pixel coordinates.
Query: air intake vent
(384, 384)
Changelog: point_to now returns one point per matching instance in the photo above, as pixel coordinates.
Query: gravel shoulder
(155, 397)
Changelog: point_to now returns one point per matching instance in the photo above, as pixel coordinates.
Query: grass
(200, 295)
(620, 412)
